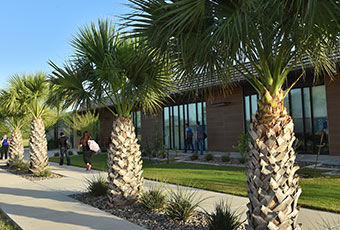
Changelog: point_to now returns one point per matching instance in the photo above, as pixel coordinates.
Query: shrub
(20, 165)
(209, 157)
(70, 153)
(223, 218)
(153, 199)
(45, 173)
(242, 160)
(182, 204)
(97, 185)
(52, 144)
(103, 150)
(56, 154)
(194, 157)
(226, 158)
(242, 146)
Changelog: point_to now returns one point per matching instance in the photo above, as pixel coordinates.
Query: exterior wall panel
(333, 109)
(225, 122)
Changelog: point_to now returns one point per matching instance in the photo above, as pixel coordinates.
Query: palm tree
(115, 73)
(262, 41)
(29, 93)
(14, 122)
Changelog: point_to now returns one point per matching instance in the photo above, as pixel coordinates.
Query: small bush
(194, 157)
(70, 153)
(20, 165)
(45, 173)
(153, 199)
(226, 158)
(79, 152)
(52, 144)
(242, 145)
(223, 218)
(97, 185)
(209, 157)
(103, 150)
(56, 154)
(242, 160)
(182, 204)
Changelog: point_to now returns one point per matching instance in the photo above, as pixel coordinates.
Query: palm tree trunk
(38, 146)
(16, 147)
(273, 188)
(124, 163)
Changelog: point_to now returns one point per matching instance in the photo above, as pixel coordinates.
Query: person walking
(199, 137)
(64, 146)
(87, 153)
(5, 144)
(188, 139)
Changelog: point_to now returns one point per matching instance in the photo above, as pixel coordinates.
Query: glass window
(296, 113)
(253, 104)
(181, 127)
(319, 108)
(247, 112)
(166, 127)
(192, 115)
(176, 127)
(199, 112)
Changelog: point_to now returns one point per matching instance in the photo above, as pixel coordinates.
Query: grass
(5, 224)
(319, 192)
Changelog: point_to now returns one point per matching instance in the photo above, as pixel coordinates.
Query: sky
(35, 31)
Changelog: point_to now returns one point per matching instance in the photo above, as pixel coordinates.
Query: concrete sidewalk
(45, 204)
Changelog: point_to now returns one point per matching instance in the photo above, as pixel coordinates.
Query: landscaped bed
(5, 224)
(318, 192)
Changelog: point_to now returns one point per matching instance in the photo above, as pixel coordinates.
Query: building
(314, 106)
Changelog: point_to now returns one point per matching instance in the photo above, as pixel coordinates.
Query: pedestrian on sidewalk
(5, 144)
(87, 153)
(199, 137)
(64, 145)
(188, 139)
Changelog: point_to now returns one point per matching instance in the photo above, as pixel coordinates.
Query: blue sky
(34, 31)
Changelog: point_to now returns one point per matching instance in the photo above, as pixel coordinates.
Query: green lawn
(320, 192)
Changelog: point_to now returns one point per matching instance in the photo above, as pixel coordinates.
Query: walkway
(45, 204)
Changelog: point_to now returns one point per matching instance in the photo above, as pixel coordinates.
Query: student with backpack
(188, 139)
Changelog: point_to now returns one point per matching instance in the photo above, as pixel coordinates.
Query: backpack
(93, 145)
(190, 134)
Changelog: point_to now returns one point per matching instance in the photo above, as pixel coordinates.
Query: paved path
(45, 204)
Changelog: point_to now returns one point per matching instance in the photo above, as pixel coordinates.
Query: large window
(175, 117)
(137, 123)
(307, 106)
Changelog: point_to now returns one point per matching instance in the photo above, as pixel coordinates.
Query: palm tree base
(124, 163)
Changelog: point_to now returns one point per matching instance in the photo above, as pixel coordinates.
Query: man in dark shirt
(63, 145)
(199, 137)
(188, 139)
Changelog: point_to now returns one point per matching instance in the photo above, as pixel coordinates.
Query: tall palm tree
(29, 93)
(262, 41)
(115, 73)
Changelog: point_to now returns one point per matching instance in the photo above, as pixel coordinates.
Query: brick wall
(152, 128)
(225, 123)
(333, 111)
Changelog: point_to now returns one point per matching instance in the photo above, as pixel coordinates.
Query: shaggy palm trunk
(16, 147)
(38, 146)
(273, 188)
(124, 163)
